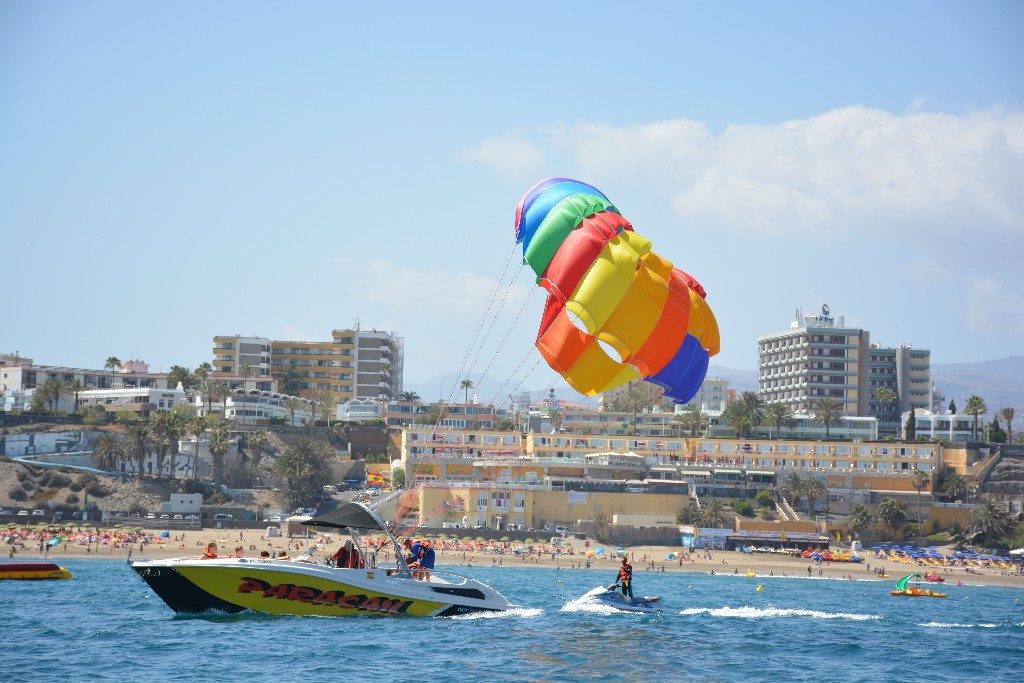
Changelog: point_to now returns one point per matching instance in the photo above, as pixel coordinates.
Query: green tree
(952, 407)
(738, 417)
(794, 486)
(76, 387)
(38, 402)
(975, 407)
(398, 477)
(814, 490)
(765, 499)
(94, 416)
(293, 404)
(995, 433)
(754, 407)
(990, 522)
(920, 480)
(1008, 414)
(956, 487)
(409, 397)
(107, 452)
(910, 428)
(203, 371)
(778, 415)
(693, 419)
(160, 430)
(51, 391)
(195, 426)
(137, 445)
(688, 514)
(466, 385)
(893, 514)
(246, 371)
(293, 381)
(888, 397)
(256, 444)
(860, 519)
(713, 513)
(828, 412)
(602, 526)
(219, 445)
(208, 388)
(112, 364)
(179, 374)
(322, 403)
(743, 507)
(303, 470)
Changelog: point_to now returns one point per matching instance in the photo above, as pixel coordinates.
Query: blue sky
(171, 171)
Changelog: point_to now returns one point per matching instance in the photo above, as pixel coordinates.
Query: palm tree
(159, 429)
(76, 387)
(219, 445)
(814, 490)
(794, 486)
(688, 514)
(409, 397)
(255, 443)
(466, 385)
(221, 392)
(919, 480)
(179, 374)
(246, 371)
(828, 412)
(887, 395)
(1008, 414)
(293, 404)
(975, 407)
(112, 364)
(693, 418)
(203, 371)
(322, 401)
(176, 426)
(860, 518)
(137, 444)
(51, 391)
(738, 417)
(991, 522)
(107, 452)
(713, 513)
(893, 514)
(778, 415)
(207, 389)
(957, 487)
(754, 407)
(196, 426)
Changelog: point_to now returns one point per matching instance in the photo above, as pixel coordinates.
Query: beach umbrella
(1018, 551)
(165, 534)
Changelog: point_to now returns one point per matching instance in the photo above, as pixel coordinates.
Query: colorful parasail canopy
(616, 311)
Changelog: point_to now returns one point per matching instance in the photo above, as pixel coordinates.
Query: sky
(172, 171)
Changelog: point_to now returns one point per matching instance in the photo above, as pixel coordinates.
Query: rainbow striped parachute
(616, 311)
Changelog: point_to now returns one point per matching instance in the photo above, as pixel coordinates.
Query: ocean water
(106, 624)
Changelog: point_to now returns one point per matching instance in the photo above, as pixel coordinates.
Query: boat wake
(589, 603)
(513, 613)
(939, 624)
(747, 612)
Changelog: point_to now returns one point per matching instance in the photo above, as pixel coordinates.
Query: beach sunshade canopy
(348, 516)
(1018, 551)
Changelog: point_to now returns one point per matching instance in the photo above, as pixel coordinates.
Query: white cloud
(508, 155)
(849, 171)
(992, 310)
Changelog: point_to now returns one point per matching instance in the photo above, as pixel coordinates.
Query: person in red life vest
(342, 558)
(626, 577)
(211, 551)
(427, 557)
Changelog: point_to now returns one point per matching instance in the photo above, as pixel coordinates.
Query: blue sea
(106, 624)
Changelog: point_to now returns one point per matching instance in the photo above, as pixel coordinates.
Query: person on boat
(283, 555)
(427, 557)
(626, 578)
(239, 552)
(343, 556)
(211, 551)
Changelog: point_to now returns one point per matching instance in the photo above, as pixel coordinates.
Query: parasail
(616, 311)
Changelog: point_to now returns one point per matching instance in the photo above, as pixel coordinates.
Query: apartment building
(819, 356)
(25, 375)
(715, 393)
(353, 363)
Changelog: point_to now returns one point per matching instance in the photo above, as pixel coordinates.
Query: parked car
(23, 513)
(274, 518)
(150, 515)
(561, 530)
(177, 517)
(223, 517)
(38, 513)
(165, 516)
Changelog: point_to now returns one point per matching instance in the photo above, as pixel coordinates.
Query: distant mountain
(741, 380)
(1000, 382)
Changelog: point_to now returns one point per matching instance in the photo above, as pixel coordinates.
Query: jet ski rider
(626, 578)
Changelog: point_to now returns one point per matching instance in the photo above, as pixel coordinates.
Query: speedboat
(33, 571)
(615, 599)
(905, 590)
(307, 586)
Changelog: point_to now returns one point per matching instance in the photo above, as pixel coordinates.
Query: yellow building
(529, 508)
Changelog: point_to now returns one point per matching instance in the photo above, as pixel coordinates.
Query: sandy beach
(644, 558)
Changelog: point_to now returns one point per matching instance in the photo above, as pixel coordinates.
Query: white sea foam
(513, 613)
(939, 624)
(747, 612)
(589, 603)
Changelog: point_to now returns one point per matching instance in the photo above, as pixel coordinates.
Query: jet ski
(613, 598)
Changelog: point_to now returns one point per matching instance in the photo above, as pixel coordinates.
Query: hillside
(1000, 382)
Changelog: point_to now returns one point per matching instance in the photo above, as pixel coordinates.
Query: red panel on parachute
(579, 250)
